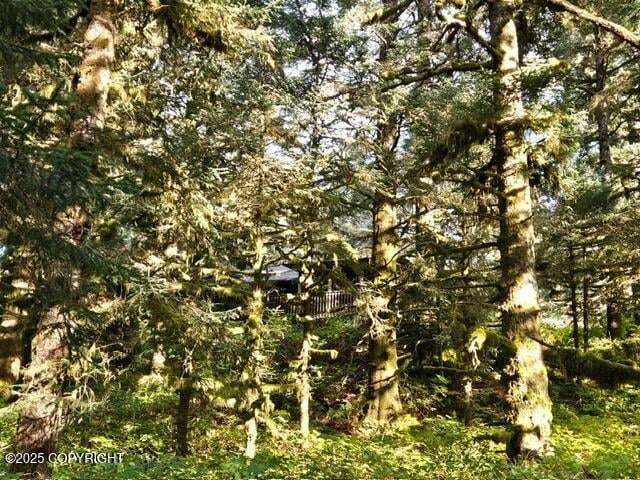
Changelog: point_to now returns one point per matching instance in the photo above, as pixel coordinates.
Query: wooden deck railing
(323, 304)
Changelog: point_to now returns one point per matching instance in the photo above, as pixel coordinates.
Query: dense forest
(333, 239)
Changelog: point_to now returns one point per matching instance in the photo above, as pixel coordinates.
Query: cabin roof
(284, 273)
(277, 273)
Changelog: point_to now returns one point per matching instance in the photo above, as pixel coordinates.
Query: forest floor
(594, 429)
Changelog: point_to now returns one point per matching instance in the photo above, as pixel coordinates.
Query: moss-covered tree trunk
(469, 356)
(95, 74)
(601, 114)
(383, 391)
(600, 111)
(306, 281)
(465, 381)
(384, 398)
(525, 372)
(304, 386)
(307, 351)
(41, 415)
(252, 373)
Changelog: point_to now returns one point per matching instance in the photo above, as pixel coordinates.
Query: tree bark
(573, 289)
(635, 289)
(470, 363)
(585, 313)
(384, 397)
(252, 372)
(41, 416)
(469, 323)
(383, 386)
(185, 392)
(525, 374)
(95, 74)
(304, 391)
(306, 281)
(601, 113)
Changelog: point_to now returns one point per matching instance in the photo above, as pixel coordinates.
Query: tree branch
(612, 27)
(382, 15)
(433, 72)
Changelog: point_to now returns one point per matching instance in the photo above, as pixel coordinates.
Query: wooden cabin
(337, 296)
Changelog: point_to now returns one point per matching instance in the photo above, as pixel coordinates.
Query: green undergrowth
(595, 429)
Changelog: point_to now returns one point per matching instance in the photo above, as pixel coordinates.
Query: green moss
(8, 419)
(589, 365)
(605, 440)
(5, 392)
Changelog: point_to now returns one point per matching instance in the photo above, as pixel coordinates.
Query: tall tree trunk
(41, 416)
(573, 289)
(252, 373)
(304, 389)
(185, 392)
(525, 374)
(383, 385)
(601, 113)
(469, 356)
(306, 281)
(585, 311)
(575, 321)
(384, 398)
(305, 316)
